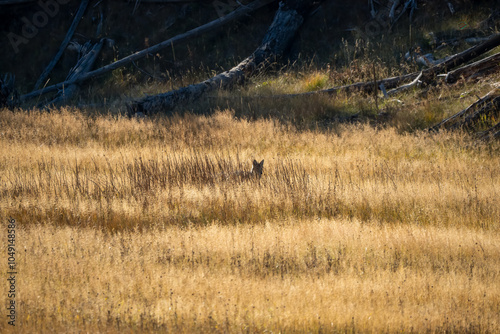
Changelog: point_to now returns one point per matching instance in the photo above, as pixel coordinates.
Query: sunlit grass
(135, 225)
(172, 171)
(307, 275)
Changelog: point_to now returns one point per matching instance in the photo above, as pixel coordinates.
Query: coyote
(255, 172)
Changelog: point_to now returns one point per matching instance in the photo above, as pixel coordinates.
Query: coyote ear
(255, 162)
(262, 162)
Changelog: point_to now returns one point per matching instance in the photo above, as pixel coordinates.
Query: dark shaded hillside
(131, 30)
(134, 27)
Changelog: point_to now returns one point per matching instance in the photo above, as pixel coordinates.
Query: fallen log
(462, 57)
(236, 14)
(277, 39)
(474, 69)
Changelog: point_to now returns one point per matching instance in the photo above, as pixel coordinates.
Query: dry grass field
(128, 225)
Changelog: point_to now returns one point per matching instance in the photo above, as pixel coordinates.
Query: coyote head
(257, 168)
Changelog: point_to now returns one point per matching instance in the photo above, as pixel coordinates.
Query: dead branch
(404, 87)
(462, 58)
(64, 44)
(491, 133)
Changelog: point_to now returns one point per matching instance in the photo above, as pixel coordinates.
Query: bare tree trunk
(279, 36)
(64, 44)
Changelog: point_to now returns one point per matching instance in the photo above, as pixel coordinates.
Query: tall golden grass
(128, 225)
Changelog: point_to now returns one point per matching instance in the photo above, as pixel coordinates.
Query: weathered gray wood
(84, 64)
(486, 64)
(64, 44)
(278, 37)
(463, 57)
(236, 14)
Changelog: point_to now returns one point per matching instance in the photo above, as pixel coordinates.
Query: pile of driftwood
(287, 22)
